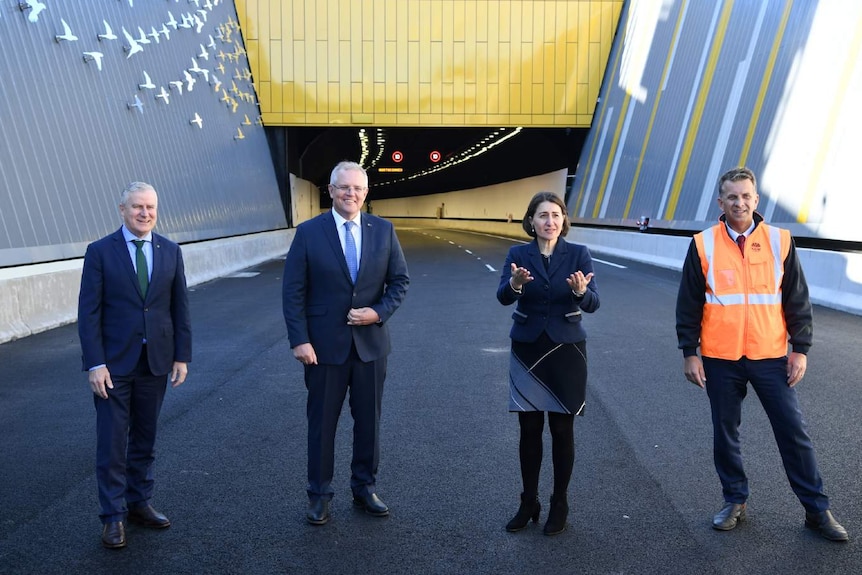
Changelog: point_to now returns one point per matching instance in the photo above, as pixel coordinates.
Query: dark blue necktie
(141, 265)
(350, 250)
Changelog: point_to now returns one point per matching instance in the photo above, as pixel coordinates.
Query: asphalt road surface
(230, 470)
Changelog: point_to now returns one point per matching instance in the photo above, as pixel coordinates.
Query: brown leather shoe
(114, 535)
(826, 525)
(729, 516)
(148, 517)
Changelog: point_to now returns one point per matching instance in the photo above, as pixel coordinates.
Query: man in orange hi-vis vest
(742, 297)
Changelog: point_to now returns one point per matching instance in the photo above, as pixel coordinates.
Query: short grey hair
(133, 187)
(345, 166)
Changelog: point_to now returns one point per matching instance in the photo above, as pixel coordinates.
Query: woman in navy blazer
(552, 282)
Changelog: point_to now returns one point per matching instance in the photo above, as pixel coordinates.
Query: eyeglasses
(355, 189)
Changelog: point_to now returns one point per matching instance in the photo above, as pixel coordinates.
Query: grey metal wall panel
(714, 110)
(71, 142)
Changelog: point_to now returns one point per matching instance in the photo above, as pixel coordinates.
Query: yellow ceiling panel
(450, 62)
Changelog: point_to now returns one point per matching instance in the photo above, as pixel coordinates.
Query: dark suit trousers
(126, 425)
(726, 385)
(327, 387)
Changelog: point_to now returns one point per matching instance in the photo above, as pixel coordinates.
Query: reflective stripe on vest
(739, 298)
(743, 314)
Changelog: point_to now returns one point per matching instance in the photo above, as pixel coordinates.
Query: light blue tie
(350, 250)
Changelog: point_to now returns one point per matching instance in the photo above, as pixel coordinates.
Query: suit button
(547, 286)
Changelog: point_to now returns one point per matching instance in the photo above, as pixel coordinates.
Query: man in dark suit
(344, 277)
(135, 331)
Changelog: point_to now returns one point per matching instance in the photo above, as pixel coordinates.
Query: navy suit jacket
(547, 303)
(114, 318)
(318, 292)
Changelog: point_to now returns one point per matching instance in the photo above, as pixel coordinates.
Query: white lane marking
(490, 269)
(607, 263)
(469, 252)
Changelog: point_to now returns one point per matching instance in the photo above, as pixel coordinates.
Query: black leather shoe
(372, 505)
(148, 517)
(826, 524)
(114, 535)
(318, 512)
(729, 516)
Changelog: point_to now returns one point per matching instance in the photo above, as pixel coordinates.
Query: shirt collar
(129, 236)
(734, 234)
(339, 220)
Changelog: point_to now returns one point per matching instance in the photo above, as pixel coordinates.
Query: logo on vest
(755, 247)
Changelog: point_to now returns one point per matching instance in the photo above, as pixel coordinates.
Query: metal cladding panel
(694, 88)
(73, 136)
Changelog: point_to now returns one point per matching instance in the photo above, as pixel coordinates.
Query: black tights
(562, 449)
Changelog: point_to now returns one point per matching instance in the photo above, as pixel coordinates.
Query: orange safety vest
(743, 315)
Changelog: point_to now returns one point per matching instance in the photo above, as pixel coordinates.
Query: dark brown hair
(736, 174)
(534, 205)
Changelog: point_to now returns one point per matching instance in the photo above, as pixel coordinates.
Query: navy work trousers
(726, 385)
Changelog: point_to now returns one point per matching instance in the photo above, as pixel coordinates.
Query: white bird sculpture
(164, 95)
(216, 83)
(67, 33)
(172, 22)
(142, 36)
(177, 84)
(154, 34)
(108, 35)
(204, 54)
(208, 5)
(197, 120)
(212, 44)
(133, 47)
(198, 23)
(165, 32)
(198, 70)
(138, 104)
(148, 84)
(35, 8)
(95, 56)
(190, 81)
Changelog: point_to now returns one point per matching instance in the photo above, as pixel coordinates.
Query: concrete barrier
(834, 278)
(44, 296)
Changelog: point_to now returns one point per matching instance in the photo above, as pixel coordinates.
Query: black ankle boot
(557, 513)
(529, 509)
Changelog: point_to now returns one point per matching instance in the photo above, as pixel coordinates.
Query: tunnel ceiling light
(463, 156)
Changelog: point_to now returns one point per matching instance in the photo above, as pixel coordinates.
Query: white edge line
(607, 263)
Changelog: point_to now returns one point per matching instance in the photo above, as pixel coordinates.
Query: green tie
(141, 265)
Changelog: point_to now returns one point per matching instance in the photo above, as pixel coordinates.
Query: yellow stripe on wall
(621, 118)
(603, 117)
(829, 131)
(764, 84)
(700, 104)
(654, 111)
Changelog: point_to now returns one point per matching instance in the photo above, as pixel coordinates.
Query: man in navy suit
(344, 277)
(135, 331)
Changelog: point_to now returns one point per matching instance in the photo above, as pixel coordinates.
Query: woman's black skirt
(548, 376)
